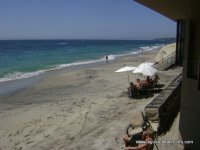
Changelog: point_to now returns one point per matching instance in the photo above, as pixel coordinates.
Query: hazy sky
(81, 19)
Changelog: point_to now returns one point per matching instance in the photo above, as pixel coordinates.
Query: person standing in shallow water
(106, 58)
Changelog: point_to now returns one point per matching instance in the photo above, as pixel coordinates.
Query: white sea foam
(134, 53)
(150, 48)
(21, 75)
(77, 63)
(111, 57)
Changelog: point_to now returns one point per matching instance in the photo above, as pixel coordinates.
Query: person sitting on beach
(146, 141)
(148, 82)
(131, 89)
(155, 80)
(131, 86)
(138, 84)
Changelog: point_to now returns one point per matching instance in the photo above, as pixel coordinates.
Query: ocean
(26, 58)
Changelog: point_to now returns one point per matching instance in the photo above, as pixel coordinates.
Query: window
(193, 53)
(180, 39)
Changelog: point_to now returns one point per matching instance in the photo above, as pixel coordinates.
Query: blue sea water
(26, 58)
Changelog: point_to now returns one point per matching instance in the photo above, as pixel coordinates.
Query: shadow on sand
(148, 93)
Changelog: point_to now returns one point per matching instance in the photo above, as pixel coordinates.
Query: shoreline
(17, 85)
(19, 75)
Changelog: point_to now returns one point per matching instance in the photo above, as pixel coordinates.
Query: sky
(81, 19)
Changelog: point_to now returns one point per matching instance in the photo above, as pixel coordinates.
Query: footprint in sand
(49, 118)
(46, 136)
(71, 123)
(29, 142)
(27, 135)
(18, 132)
(20, 148)
(10, 134)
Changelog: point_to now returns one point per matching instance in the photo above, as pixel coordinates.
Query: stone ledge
(166, 103)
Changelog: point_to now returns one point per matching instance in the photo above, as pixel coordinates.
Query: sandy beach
(86, 108)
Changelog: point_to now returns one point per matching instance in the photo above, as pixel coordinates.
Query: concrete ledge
(165, 105)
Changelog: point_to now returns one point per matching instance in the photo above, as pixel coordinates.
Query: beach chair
(134, 92)
(155, 81)
(138, 136)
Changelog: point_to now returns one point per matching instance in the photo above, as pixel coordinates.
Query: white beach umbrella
(126, 69)
(145, 70)
(146, 64)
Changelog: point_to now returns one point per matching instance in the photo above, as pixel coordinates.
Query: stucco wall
(190, 94)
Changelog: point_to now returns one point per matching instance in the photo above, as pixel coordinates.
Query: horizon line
(87, 39)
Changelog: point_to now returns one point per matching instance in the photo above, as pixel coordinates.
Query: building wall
(188, 10)
(190, 94)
